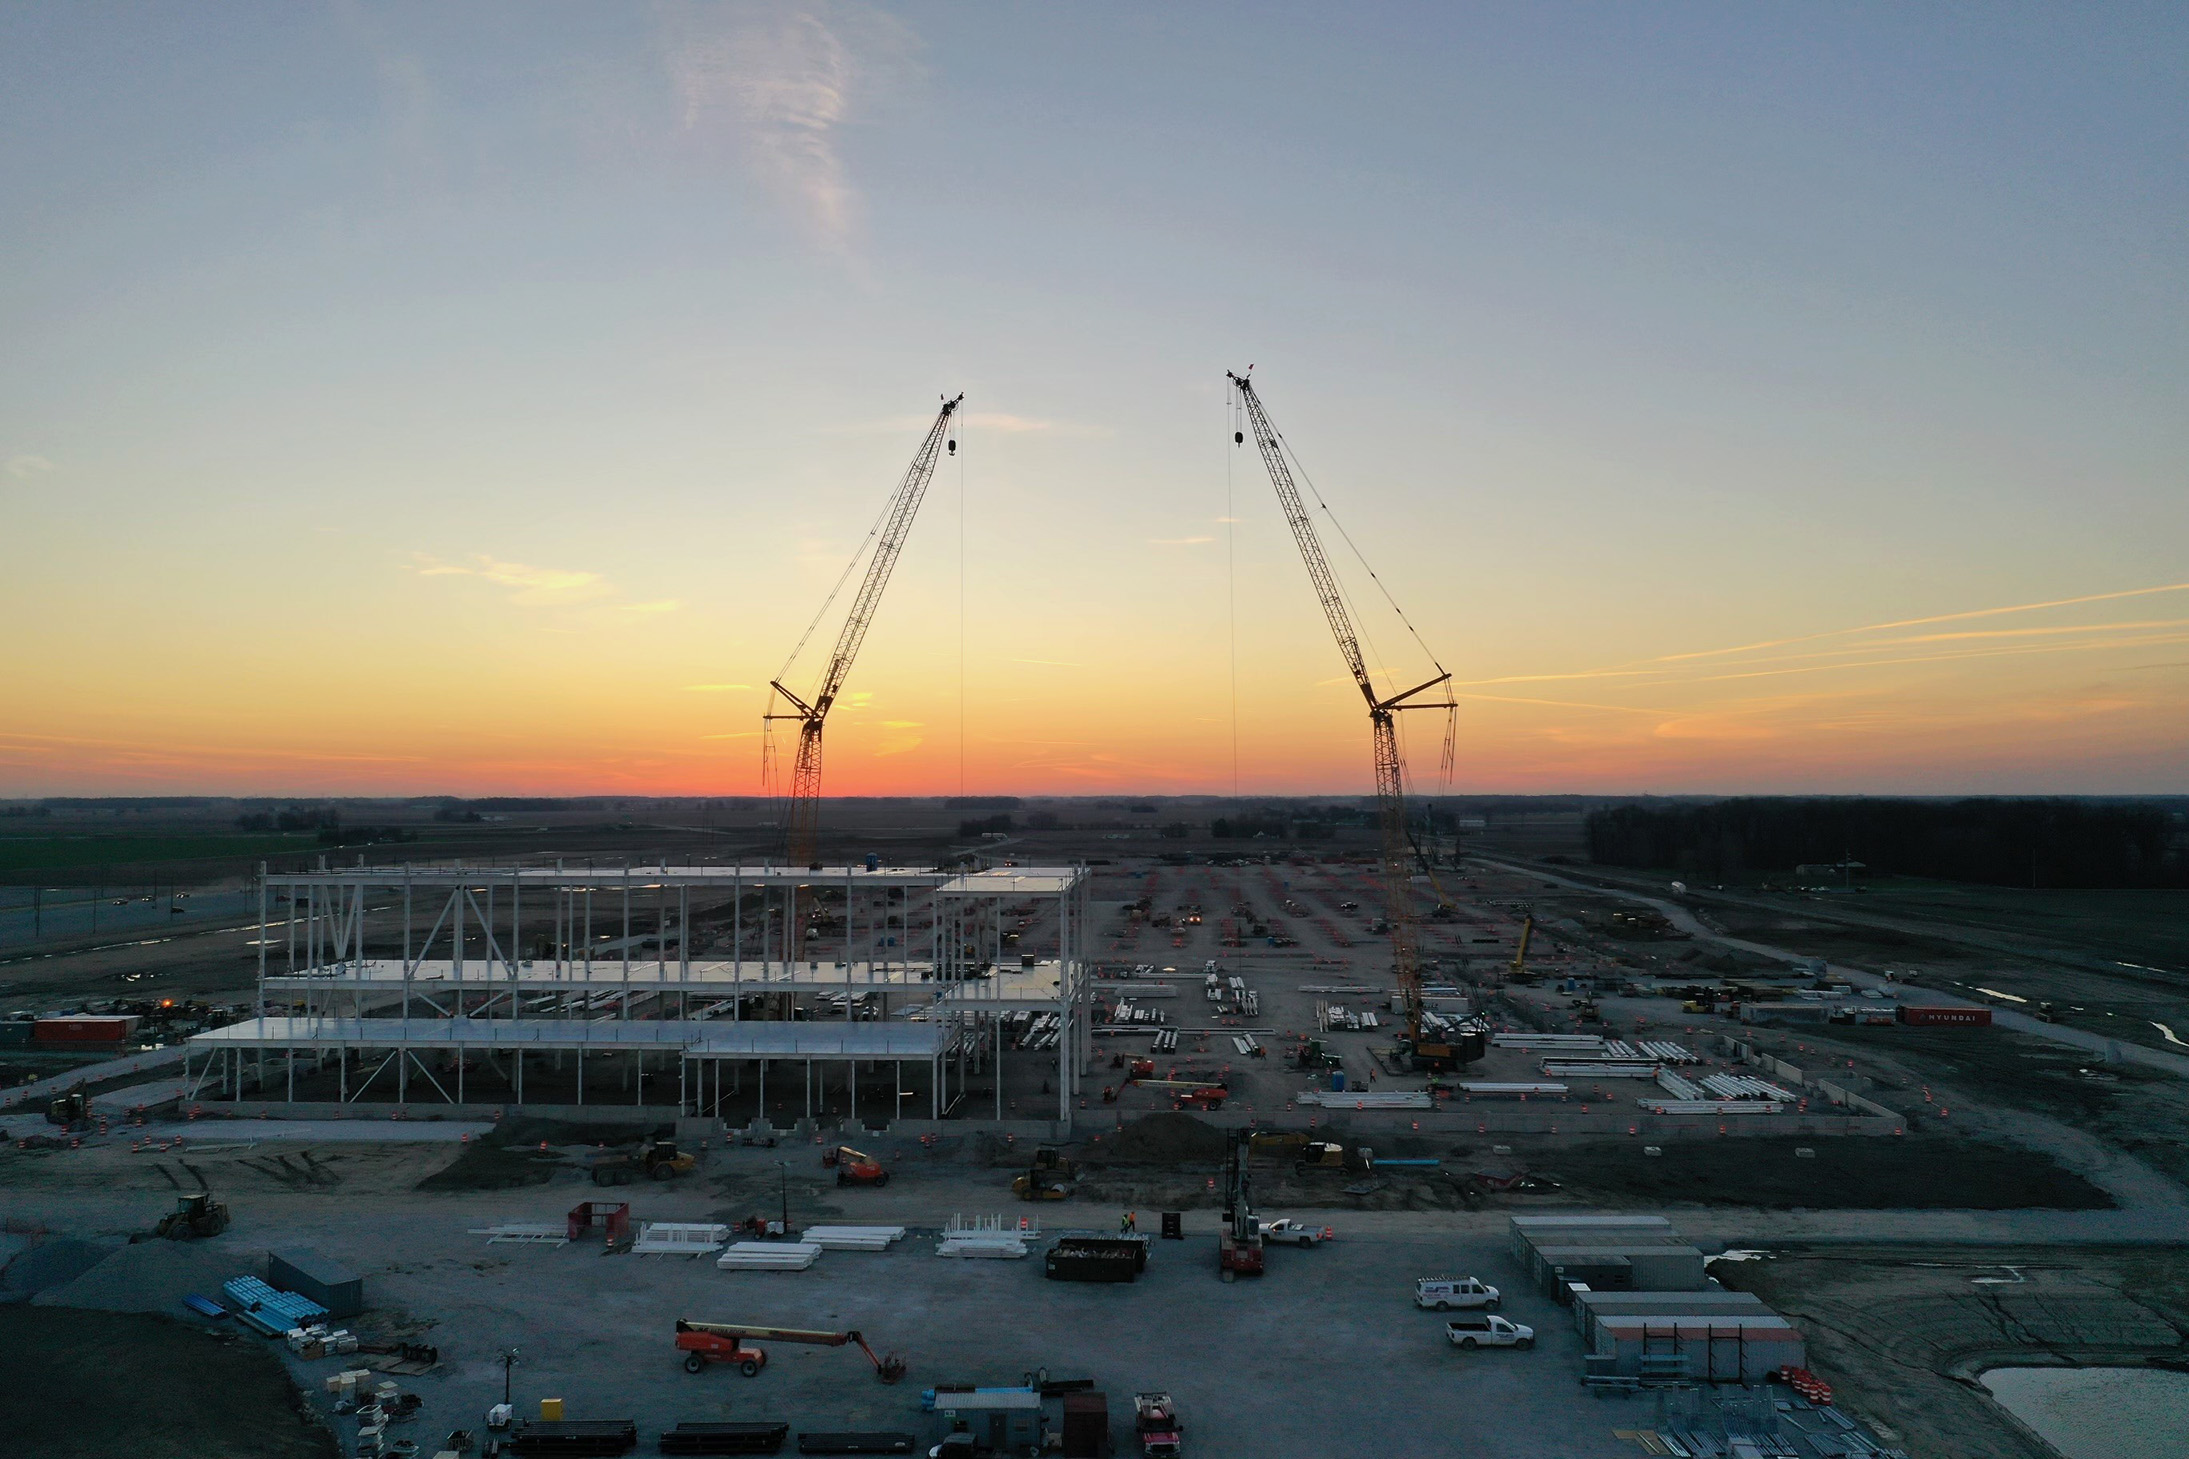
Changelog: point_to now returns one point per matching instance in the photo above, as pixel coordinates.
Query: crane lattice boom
(1382, 718)
(802, 824)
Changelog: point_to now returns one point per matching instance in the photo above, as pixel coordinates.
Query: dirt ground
(78, 1385)
(1905, 1331)
(1931, 1173)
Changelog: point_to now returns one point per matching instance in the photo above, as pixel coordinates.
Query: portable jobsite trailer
(1006, 1420)
(1619, 1269)
(327, 1282)
(1589, 1307)
(1701, 1348)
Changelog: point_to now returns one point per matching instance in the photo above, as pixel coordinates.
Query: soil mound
(1162, 1139)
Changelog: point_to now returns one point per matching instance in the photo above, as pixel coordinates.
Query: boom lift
(1419, 1048)
(723, 1342)
(802, 822)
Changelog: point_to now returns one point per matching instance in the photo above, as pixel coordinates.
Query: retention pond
(2099, 1413)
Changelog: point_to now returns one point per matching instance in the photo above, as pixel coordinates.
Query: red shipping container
(110, 1030)
(1945, 1017)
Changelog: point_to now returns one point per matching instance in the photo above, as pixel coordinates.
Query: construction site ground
(2020, 1152)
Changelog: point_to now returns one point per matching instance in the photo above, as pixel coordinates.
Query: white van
(1486, 1330)
(1446, 1293)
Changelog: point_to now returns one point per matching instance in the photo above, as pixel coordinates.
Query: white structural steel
(536, 960)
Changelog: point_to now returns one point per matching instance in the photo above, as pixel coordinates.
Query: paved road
(1680, 917)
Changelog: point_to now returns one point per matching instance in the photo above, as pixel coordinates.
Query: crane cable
(1231, 586)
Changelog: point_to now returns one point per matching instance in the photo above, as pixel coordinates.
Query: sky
(483, 399)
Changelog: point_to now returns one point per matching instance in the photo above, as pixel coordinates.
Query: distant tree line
(2020, 843)
(296, 818)
(982, 826)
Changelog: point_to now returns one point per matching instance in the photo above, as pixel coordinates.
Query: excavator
(1239, 1242)
(1519, 973)
(854, 1167)
(1427, 1044)
(724, 1342)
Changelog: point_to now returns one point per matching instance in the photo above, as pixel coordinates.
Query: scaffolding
(925, 970)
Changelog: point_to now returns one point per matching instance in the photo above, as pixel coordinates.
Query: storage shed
(326, 1281)
(1086, 1425)
(1710, 1349)
(1007, 1420)
(1527, 1232)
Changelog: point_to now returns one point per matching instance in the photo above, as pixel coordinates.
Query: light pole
(509, 1361)
(783, 1166)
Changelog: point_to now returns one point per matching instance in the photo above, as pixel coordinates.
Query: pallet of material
(852, 1238)
(582, 1436)
(1598, 1069)
(1366, 1098)
(1496, 1089)
(1550, 1043)
(1740, 1086)
(769, 1256)
(724, 1438)
(679, 1238)
(270, 1311)
(543, 1233)
(1712, 1106)
(855, 1443)
(982, 1248)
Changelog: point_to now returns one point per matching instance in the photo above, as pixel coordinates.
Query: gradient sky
(482, 398)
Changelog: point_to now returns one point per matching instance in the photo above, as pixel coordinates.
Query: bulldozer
(657, 1159)
(194, 1216)
(1328, 1155)
(69, 1110)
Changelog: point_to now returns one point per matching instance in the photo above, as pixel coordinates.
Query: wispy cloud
(734, 735)
(714, 688)
(1180, 541)
(663, 605)
(784, 80)
(24, 467)
(534, 586)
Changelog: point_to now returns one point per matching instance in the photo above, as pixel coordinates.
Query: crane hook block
(1238, 438)
(953, 445)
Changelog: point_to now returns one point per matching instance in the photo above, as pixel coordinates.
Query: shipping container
(1706, 1348)
(101, 1030)
(1528, 1232)
(1620, 1267)
(1955, 1017)
(15, 1031)
(1590, 1307)
(307, 1273)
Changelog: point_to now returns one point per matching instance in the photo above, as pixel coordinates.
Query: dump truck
(657, 1159)
(1096, 1259)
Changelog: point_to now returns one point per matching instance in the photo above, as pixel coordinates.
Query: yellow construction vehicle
(1519, 971)
(194, 1216)
(657, 1160)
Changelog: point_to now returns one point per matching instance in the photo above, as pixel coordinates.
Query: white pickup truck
(1284, 1231)
(1487, 1330)
(1445, 1293)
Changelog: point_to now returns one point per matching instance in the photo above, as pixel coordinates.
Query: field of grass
(120, 855)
